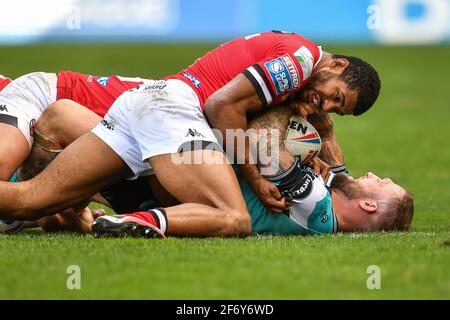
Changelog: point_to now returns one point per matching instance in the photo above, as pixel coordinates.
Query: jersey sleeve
(284, 72)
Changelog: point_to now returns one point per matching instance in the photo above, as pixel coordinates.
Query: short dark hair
(362, 77)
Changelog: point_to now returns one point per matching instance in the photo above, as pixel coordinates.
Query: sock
(156, 217)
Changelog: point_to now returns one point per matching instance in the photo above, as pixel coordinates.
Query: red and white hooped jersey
(94, 92)
(4, 81)
(277, 63)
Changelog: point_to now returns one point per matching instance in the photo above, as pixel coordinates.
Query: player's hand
(269, 195)
(303, 109)
(82, 220)
(75, 220)
(320, 167)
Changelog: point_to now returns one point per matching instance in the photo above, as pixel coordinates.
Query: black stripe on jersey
(258, 88)
(266, 81)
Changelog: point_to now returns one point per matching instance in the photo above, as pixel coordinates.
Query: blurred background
(404, 136)
(349, 21)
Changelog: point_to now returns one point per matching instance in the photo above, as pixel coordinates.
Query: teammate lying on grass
(365, 204)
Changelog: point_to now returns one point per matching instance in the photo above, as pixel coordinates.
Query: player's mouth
(312, 97)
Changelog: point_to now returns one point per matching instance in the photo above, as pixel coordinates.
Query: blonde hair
(397, 214)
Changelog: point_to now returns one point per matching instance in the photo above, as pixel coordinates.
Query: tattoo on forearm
(276, 118)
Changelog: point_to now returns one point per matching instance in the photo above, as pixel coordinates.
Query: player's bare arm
(77, 173)
(228, 109)
(88, 165)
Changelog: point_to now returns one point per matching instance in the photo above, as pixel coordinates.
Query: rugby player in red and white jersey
(147, 127)
(23, 100)
(278, 65)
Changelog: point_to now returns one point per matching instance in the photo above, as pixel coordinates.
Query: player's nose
(329, 106)
(370, 175)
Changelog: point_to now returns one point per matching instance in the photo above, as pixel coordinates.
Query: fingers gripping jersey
(4, 81)
(276, 63)
(93, 92)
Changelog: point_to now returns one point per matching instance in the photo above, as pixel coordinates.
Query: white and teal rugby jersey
(311, 211)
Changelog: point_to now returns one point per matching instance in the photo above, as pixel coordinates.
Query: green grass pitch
(404, 137)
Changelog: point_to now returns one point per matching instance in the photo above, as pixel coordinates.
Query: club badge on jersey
(284, 74)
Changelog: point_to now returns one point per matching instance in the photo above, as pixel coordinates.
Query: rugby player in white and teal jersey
(340, 204)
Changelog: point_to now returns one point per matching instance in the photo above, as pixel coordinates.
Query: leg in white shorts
(21, 104)
(149, 125)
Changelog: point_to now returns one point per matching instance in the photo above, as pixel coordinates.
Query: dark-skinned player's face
(328, 93)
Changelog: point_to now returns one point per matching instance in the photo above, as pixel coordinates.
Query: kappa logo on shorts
(108, 124)
(284, 74)
(3, 108)
(194, 133)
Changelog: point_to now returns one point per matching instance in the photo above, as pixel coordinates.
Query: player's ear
(339, 64)
(368, 205)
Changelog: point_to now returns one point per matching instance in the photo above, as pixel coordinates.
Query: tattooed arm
(271, 127)
(276, 120)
